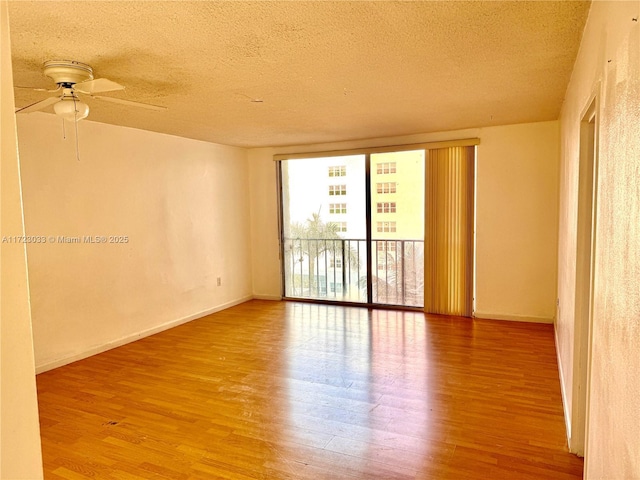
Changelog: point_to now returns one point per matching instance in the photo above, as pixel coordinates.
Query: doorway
(586, 227)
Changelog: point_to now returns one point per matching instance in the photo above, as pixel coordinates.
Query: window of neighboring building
(386, 246)
(382, 261)
(342, 226)
(338, 171)
(338, 208)
(386, 167)
(386, 187)
(337, 189)
(386, 226)
(386, 207)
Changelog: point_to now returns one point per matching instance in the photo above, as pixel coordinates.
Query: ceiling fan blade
(97, 86)
(37, 89)
(38, 105)
(129, 102)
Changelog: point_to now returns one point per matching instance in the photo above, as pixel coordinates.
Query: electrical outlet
(219, 281)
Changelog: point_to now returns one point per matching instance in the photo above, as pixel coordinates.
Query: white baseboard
(512, 318)
(267, 297)
(567, 416)
(136, 336)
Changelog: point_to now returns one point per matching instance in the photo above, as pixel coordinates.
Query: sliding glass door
(353, 228)
(324, 228)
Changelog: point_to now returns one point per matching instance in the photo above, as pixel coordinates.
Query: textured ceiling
(292, 72)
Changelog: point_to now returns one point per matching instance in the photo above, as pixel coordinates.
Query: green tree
(314, 239)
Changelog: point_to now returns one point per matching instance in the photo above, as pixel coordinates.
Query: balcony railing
(336, 269)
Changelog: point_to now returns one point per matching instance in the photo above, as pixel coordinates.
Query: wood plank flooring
(279, 390)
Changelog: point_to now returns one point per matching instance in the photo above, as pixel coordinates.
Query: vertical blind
(449, 223)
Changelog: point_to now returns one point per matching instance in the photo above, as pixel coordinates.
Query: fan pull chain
(77, 147)
(76, 122)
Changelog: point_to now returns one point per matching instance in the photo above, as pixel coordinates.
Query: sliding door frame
(367, 152)
(368, 235)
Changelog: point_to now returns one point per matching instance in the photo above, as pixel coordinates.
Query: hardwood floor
(275, 390)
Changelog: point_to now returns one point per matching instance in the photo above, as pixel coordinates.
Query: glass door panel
(397, 227)
(324, 228)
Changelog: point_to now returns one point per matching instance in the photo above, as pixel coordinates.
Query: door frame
(585, 268)
(367, 152)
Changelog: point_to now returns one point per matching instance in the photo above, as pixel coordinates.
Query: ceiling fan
(73, 78)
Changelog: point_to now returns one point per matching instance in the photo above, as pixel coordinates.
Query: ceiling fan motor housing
(67, 72)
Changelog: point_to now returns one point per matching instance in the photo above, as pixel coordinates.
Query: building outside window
(338, 208)
(338, 171)
(385, 168)
(386, 187)
(386, 246)
(338, 189)
(386, 226)
(386, 207)
(381, 262)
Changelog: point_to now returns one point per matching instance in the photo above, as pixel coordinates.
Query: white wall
(265, 256)
(20, 455)
(182, 204)
(517, 203)
(608, 63)
(517, 222)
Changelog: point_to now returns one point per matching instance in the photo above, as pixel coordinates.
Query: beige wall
(20, 455)
(516, 210)
(183, 204)
(608, 63)
(517, 222)
(265, 257)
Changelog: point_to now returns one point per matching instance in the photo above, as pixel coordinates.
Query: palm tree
(400, 280)
(315, 239)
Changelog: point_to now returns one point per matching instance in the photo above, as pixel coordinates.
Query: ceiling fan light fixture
(71, 109)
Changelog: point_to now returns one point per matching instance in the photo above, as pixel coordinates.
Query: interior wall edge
(60, 362)
(608, 63)
(565, 405)
(20, 445)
